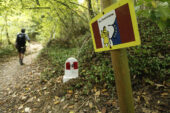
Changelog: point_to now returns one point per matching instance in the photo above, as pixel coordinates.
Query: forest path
(12, 73)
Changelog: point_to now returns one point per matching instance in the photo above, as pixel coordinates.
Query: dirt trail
(11, 72)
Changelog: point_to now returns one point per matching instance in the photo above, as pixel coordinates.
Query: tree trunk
(90, 9)
(38, 3)
(98, 8)
(1, 34)
(6, 29)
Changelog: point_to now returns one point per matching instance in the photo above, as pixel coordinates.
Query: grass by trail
(148, 61)
(54, 57)
(6, 52)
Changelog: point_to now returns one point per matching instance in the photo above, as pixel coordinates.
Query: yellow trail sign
(116, 27)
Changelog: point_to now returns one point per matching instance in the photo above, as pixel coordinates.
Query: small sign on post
(116, 27)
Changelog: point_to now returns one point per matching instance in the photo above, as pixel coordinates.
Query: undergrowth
(7, 51)
(54, 57)
(150, 60)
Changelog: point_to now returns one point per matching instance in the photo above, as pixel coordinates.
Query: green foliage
(44, 21)
(62, 20)
(7, 51)
(55, 55)
(95, 67)
(151, 58)
(157, 11)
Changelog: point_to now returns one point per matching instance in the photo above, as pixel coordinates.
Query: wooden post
(123, 82)
(122, 73)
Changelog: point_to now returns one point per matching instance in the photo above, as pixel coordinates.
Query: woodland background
(62, 27)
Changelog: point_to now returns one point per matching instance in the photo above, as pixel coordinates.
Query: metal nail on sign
(116, 27)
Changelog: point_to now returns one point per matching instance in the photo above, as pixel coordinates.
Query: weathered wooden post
(122, 74)
(122, 78)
